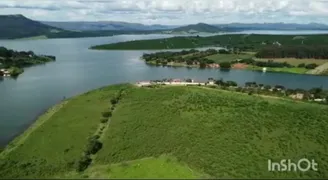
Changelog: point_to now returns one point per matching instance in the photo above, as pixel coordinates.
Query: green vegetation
(295, 70)
(14, 61)
(243, 42)
(56, 145)
(217, 58)
(212, 131)
(160, 167)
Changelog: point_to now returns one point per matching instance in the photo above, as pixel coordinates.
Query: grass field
(218, 132)
(228, 57)
(295, 62)
(159, 167)
(207, 131)
(295, 70)
(55, 145)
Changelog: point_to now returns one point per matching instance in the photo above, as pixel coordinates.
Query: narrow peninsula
(301, 54)
(12, 62)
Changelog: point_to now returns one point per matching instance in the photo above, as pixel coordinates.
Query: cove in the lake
(79, 69)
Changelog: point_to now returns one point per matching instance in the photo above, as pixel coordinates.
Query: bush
(93, 146)
(83, 163)
(225, 65)
(114, 101)
(311, 66)
(107, 114)
(302, 65)
(104, 120)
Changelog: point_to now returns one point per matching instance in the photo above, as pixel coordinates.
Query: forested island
(12, 62)
(266, 59)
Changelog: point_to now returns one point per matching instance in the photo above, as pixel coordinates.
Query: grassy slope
(54, 146)
(220, 133)
(159, 167)
(217, 132)
(294, 70)
(228, 57)
(295, 62)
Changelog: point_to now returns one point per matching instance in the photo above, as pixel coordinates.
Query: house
(211, 82)
(297, 96)
(176, 80)
(319, 100)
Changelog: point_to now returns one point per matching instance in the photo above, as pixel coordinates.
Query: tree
(113, 101)
(231, 83)
(106, 114)
(202, 65)
(225, 65)
(267, 87)
(83, 163)
(311, 66)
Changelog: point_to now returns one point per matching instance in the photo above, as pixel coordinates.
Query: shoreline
(21, 137)
(174, 65)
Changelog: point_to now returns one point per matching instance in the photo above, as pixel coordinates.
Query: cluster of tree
(295, 51)
(10, 58)
(93, 146)
(194, 57)
(223, 83)
(271, 63)
(308, 66)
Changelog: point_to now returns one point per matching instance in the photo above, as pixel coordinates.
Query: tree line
(295, 51)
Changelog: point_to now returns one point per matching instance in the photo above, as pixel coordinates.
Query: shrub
(107, 114)
(83, 163)
(250, 93)
(93, 146)
(311, 66)
(104, 120)
(113, 101)
(301, 65)
(225, 65)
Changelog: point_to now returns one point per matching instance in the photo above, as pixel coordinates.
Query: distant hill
(18, 26)
(274, 26)
(105, 25)
(200, 27)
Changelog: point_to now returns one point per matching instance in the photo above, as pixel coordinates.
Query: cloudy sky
(175, 12)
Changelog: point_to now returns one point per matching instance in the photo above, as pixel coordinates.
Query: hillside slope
(200, 27)
(218, 133)
(18, 26)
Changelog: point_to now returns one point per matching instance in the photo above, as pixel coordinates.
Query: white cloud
(170, 11)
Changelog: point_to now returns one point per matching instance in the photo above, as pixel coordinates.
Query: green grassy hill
(172, 132)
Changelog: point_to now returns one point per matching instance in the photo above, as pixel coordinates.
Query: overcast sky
(175, 12)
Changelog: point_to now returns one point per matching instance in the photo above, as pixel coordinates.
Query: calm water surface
(79, 69)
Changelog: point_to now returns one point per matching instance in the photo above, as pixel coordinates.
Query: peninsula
(163, 131)
(306, 54)
(12, 62)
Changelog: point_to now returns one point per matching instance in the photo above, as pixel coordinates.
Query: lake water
(79, 69)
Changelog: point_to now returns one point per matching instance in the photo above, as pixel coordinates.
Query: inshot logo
(287, 165)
